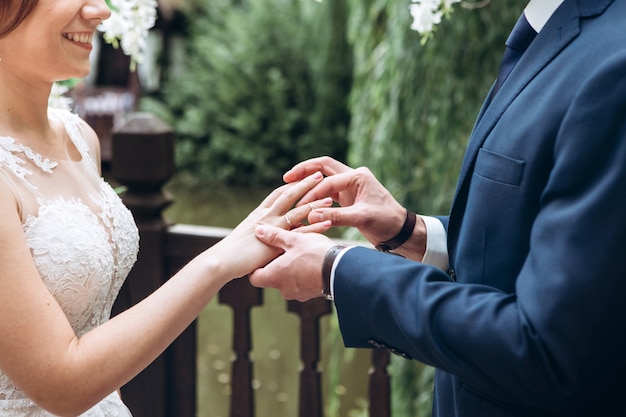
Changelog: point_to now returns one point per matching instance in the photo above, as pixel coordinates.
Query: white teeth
(79, 37)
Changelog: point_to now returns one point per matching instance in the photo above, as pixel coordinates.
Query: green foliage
(411, 388)
(257, 93)
(414, 106)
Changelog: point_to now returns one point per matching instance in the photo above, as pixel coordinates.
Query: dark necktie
(519, 39)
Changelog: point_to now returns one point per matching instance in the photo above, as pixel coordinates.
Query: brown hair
(13, 12)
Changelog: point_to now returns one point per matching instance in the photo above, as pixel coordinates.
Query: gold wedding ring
(311, 206)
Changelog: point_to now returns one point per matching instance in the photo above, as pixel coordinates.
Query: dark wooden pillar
(241, 296)
(143, 161)
(310, 313)
(379, 385)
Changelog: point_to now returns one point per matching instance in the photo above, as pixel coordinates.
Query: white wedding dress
(82, 238)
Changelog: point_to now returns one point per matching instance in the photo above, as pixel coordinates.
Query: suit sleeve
(560, 337)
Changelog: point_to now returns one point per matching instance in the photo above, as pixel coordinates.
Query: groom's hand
(363, 201)
(297, 273)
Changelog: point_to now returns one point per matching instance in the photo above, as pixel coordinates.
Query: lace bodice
(82, 238)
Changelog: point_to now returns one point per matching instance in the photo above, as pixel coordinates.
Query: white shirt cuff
(332, 270)
(436, 243)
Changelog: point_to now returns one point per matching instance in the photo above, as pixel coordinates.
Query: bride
(67, 242)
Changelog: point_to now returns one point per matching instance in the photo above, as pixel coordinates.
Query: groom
(517, 297)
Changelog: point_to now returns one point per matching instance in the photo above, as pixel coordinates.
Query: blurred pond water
(275, 341)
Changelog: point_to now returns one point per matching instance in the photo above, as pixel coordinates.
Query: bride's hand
(241, 252)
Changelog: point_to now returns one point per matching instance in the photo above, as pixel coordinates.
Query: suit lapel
(560, 30)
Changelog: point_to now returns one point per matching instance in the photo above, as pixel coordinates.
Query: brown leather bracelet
(402, 236)
(327, 267)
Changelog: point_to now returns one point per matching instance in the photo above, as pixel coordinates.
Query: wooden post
(143, 161)
(310, 312)
(379, 385)
(241, 296)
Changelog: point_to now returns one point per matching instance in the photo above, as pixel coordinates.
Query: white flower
(428, 13)
(128, 26)
(57, 99)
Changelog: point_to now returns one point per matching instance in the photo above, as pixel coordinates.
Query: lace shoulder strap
(12, 158)
(75, 127)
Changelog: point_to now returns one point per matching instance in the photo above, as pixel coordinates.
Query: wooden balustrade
(142, 160)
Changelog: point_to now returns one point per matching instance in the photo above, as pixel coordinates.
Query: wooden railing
(142, 161)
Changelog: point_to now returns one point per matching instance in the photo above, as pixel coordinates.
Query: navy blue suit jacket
(535, 323)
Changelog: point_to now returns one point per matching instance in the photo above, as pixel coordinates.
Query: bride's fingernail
(317, 175)
(327, 201)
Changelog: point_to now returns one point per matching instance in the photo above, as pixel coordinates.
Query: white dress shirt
(539, 11)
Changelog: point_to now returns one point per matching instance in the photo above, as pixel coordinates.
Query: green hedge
(263, 86)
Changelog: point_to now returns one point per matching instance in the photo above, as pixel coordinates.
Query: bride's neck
(24, 107)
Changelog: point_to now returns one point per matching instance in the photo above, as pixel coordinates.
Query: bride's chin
(78, 71)
(82, 73)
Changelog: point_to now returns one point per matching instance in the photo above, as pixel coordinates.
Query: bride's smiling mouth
(82, 39)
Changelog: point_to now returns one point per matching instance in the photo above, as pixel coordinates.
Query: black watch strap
(402, 236)
(327, 267)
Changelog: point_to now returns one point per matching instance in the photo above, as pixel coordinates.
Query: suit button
(375, 344)
(399, 353)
